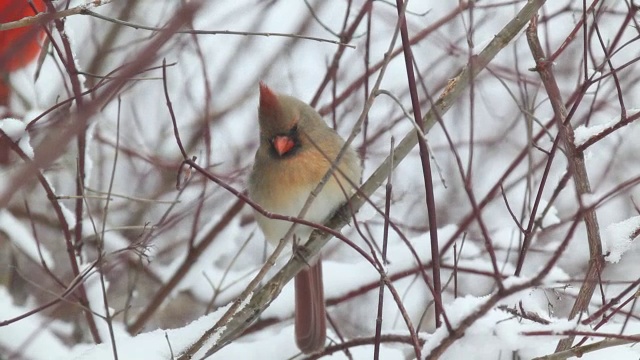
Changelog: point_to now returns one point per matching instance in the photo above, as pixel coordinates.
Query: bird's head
(286, 123)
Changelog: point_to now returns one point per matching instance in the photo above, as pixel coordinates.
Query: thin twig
(213, 32)
(385, 240)
(45, 17)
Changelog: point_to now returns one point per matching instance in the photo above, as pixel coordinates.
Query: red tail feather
(310, 324)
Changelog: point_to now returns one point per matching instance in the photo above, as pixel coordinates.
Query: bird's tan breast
(284, 187)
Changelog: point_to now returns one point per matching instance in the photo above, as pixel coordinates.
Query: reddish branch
(578, 170)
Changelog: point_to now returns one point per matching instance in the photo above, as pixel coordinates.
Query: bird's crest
(268, 99)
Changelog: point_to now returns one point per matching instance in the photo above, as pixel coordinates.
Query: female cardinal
(296, 150)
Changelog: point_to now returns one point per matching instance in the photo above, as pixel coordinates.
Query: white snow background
(213, 85)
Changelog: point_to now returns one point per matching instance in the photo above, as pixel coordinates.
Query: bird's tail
(310, 323)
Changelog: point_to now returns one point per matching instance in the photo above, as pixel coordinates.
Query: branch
(578, 169)
(584, 349)
(44, 17)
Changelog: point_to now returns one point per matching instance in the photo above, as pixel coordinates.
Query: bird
(296, 150)
(20, 46)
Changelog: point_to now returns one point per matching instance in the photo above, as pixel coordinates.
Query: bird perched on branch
(296, 150)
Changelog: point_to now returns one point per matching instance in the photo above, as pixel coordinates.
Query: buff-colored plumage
(296, 150)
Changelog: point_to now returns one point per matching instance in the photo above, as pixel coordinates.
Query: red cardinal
(296, 151)
(18, 47)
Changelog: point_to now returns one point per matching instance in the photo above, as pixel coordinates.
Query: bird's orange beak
(283, 144)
